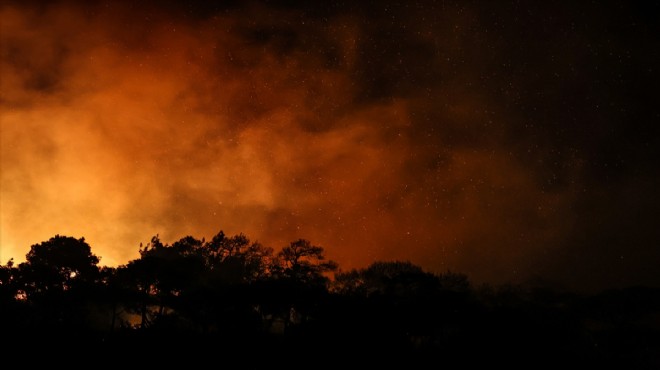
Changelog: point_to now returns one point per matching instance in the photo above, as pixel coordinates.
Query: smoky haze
(435, 134)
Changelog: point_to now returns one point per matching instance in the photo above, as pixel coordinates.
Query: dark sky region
(508, 140)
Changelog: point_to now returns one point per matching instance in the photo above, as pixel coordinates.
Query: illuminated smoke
(121, 123)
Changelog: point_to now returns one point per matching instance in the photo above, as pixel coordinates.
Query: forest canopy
(237, 294)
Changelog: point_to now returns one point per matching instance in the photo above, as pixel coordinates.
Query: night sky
(511, 141)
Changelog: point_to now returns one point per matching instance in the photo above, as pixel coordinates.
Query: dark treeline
(229, 297)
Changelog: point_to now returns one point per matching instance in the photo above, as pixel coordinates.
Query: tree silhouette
(194, 283)
(157, 280)
(298, 281)
(305, 262)
(7, 281)
(398, 302)
(59, 264)
(57, 282)
(235, 259)
(9, 300)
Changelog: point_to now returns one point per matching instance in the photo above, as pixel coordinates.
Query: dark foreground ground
(616, 350)
(615, 329)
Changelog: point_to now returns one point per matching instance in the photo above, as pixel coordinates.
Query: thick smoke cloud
(483, 140)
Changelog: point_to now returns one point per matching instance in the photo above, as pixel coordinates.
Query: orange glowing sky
(436, 134)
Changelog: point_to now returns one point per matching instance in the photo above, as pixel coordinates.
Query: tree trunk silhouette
(143, 323)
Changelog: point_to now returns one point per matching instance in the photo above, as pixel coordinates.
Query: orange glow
(193, 129)
(119, 125)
